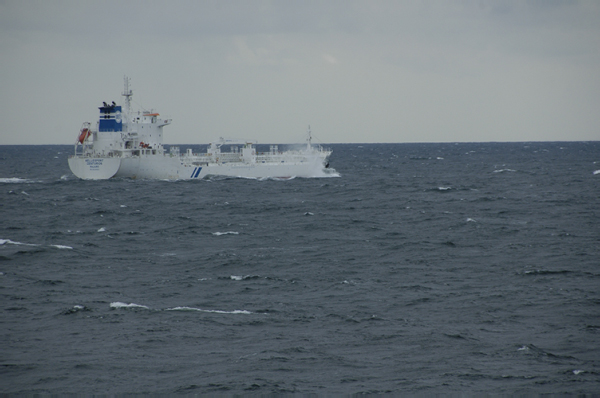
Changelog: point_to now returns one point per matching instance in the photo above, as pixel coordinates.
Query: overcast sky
(356, 71)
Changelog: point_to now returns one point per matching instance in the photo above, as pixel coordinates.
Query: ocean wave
(118, 305)
(192, 309)
(61, 247)
(545, 272)
(10, 242)
(279, 178)
(16, 180)
(75, 309)
(225, 233)
(245, 277)
(121, 305)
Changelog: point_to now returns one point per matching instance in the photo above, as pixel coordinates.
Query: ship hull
(165, 167)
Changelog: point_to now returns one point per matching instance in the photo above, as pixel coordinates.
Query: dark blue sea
(456, 268)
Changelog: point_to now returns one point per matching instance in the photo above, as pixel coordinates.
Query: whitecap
(183, 309)
(118, 304)
(471, 220)
(578, 371)
(229, 312)
(75, 309)
(102, 229)
(62, 247)
(444, 188)
(14, 180)
(192, 309)
(503, 170)
(225, 233)
(236, 277)
(10, 242)
(596, 172)
(524, 348)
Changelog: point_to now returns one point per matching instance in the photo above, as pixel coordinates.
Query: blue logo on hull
(196, 172)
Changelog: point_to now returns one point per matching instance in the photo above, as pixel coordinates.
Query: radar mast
(127, 93)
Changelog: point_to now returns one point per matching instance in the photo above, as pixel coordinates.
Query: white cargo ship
(129, 144)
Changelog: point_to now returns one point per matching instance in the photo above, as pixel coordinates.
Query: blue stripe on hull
(196, 172)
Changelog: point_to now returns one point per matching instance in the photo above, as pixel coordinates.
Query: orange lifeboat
(84, 134)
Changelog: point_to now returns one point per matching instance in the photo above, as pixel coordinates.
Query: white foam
(10, 242)
(596, 172)
(279, 178)
(14, 180)
(62, 247)
(102, 229)
(236, 277)
(578, 371)
(118, 304)
(444, 188)
(503, 170)
(471, 220)
(524, 348)
(191, 309)
(226, 233)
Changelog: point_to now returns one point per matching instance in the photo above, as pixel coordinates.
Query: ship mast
(127, 93)
(308, 139)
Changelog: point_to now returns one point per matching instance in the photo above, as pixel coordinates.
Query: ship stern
(93, 168)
